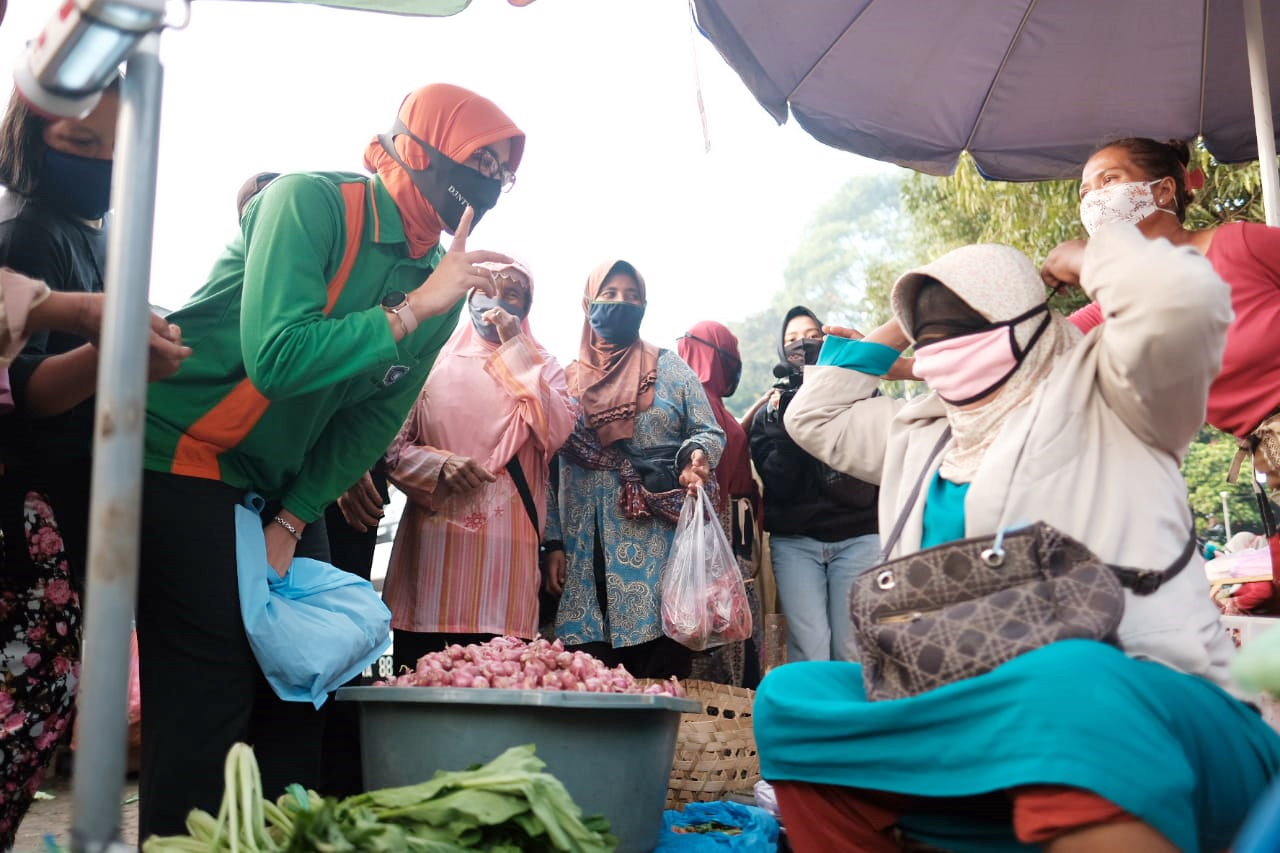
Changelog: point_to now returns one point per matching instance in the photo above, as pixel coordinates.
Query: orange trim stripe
(223, 426)
(377, 220)
(353, 197)
(233, 417)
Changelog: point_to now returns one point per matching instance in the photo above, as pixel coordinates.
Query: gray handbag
(963, 608)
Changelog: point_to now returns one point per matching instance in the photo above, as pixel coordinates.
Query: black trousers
(352, 551)
(660, 658)
(201, 685)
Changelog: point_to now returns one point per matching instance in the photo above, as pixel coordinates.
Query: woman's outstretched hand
(456, 274)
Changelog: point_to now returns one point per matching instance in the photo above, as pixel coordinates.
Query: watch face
(394, 299)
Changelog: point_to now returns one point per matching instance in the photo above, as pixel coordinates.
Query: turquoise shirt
(943, 512)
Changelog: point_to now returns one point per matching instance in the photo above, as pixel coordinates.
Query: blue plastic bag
(312, 630)
(758, 829)
(1261, 832)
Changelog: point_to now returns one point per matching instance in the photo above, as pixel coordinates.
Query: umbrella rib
(1204, 68)
(827, 52)
(995, 80)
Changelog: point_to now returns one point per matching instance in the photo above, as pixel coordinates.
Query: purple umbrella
(1028, 87)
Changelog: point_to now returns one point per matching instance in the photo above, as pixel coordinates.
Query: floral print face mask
(1130, 202)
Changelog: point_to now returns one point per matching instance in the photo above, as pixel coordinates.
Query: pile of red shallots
(513, 664)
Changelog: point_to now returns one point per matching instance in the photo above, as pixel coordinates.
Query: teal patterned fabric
(634, 550)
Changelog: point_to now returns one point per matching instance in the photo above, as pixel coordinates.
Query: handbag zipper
(899, 616)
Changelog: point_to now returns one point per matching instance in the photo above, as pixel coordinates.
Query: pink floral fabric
(39, 663)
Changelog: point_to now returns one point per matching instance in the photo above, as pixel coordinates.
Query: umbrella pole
(1262, 118)
(116, 497)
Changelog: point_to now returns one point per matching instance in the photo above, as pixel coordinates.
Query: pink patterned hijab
(467, 404)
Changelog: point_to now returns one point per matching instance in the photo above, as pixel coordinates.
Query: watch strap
(407, 317)
(401, 309)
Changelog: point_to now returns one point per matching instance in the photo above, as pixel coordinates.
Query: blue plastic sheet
(312, 630)
(758, 829)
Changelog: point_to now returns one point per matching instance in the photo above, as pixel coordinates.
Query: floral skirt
(39, 659)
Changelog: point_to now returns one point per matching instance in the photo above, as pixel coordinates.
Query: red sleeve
(1087, 318)
(1263, 243)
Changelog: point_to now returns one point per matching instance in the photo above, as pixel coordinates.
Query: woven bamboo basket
(715, 750)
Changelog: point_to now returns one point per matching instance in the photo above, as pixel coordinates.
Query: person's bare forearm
(62, 382)
(750, 416)
(68, 312)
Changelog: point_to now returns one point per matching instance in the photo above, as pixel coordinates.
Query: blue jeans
(814, 579)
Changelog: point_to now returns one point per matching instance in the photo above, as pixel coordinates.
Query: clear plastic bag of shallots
(704, 601)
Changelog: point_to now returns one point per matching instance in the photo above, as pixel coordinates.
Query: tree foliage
(1205, 469)
(859, 231)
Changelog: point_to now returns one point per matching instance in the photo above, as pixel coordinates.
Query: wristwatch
(396, 302)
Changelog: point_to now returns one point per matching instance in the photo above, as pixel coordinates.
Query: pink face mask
(966, 368)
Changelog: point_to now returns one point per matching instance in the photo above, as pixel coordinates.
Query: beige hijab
(612, 383)
(999, 283)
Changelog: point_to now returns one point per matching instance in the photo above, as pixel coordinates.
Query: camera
(788, 376)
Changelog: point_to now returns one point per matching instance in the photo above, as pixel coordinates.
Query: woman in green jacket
(311, 338)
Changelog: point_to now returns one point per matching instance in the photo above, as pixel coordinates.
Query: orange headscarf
(611, 382)
(452, 119)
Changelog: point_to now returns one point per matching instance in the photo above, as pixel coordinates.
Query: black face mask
(447, 185)
(733, 383)
(617, 322)
(732, 363)
(78, 185)
(803, 351)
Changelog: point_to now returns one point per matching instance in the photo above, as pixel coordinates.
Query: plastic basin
(612, 751)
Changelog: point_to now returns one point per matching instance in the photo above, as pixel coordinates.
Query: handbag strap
(1139, 581)
(1264, 508)
(911, 499)
(522, 486)
(1147, 581)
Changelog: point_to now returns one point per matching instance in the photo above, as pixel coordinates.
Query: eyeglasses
(489, 166)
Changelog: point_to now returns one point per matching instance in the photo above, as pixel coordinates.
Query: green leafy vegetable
(506, 806)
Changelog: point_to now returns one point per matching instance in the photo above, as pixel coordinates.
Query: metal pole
(1262, 118)
(116, 498)
(1226, 514)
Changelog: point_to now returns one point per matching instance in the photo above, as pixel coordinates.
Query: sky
(615, 163)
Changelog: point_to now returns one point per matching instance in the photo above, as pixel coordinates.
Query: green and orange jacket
(295, 385)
